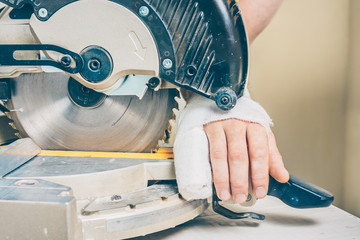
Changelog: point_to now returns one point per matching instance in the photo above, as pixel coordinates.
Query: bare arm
(257, 15)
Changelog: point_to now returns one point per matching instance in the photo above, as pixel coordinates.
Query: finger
(218, 157)
(238, 160)
(259, 159)
(276, 164)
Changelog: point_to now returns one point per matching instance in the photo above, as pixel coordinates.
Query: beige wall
(352, 167)
(298, 72)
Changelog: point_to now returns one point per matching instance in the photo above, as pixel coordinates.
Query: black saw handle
(299, 193)
(296, 193)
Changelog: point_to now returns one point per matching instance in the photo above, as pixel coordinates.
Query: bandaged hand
(233, 142)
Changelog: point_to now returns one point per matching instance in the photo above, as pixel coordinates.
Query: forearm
(257, 15)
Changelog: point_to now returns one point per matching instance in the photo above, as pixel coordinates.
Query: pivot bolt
(225, 98)
(66, 61)
(98, 64)
(167, 63)
(43, 12)
(144, 11)
(94, 64)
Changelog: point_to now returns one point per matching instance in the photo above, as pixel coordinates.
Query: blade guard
(210, 45)
(202, 45)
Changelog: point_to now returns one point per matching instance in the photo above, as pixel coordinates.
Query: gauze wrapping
(191, 148)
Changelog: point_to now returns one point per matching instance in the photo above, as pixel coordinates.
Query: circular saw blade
(45, 112)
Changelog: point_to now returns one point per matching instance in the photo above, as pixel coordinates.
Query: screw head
(167, 63)
(66, 61)
(191, 71)
(144, 11)
(116, 198)
(153, 82)
(43, 12)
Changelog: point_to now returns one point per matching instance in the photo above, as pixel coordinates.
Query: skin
(238, 147)
(257, 14)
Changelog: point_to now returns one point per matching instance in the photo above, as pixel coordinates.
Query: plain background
(305, 70)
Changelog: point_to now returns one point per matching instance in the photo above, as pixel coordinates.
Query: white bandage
(191, 148)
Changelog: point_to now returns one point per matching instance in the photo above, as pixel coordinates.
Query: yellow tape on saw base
(162, 153)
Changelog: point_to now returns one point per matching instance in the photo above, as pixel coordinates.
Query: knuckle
(259, 153)
(240, 185)
(218, 154)
(259, 178)
(276, 159)
(279, 157)
(233, 122)
(256, 127)
(235, 156)
(218, 173)
(220, 182)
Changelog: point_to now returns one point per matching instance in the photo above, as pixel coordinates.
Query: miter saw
(90, 87)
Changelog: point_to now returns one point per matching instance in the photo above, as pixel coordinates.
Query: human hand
(232, 134)
(237, 146)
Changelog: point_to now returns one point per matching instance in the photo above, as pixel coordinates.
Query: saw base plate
(95, 195)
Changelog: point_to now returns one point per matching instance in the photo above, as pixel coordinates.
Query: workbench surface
(282, 222)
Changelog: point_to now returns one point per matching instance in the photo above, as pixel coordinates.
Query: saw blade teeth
(8, 115)
(11, 121)
(180, 102)
(168, 138)
(12, 125)
(18, 135)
